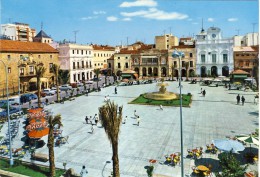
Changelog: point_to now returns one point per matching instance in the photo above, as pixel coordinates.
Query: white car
(49, 92)
(89, 82)
(55, 89)
(65, 87)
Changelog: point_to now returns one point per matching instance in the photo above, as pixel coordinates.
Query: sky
(116, 22)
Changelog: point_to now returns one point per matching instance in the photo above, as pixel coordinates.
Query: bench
(40, 157)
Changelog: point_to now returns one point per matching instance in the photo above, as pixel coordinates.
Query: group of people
(203, 92)
(242, 99)
(90, 120)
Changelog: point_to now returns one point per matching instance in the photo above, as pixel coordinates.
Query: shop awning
(34, 79)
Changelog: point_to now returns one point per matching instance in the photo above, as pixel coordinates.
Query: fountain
(163, 94)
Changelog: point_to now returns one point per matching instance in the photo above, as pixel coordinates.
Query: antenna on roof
(41, 25)
(170, 30)
(75, 35)
(202, 30)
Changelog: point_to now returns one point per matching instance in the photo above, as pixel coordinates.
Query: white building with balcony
(214, 53)
(78, 59)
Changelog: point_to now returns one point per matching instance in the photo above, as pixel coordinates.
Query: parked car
(28, 96)
(55, 89)
(89, 82)
(12, 110)
(14, 100)
(235, 87)
(65, 87)
(3, 102)
(49, 92)
(42, 93)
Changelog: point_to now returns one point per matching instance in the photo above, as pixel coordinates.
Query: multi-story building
(18, 31)
(245, 58)
(101, 54)
(165, 42)
(214, 53)
(188, 63)
(78, 60)
(150, 63)
(21, 59)
(250, 39)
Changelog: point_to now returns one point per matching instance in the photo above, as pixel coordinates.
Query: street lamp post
(8, 114)
(19, 93)
(180, 55)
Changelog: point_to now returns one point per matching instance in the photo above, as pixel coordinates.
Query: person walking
(238, 99)
(243, 100)
(138, 121)
(115, 90)
(86, 119)
(84, 171)
(125, 120)
(204, 93)
(96, 120)
(87, 92)
(47, 101)
(135, 114)
(201, 91)
(90, 120)
(161, 107)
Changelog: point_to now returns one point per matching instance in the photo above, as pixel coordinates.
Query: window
(202, 57)
(225, 58)
(74, 77)
(247, 63)
(191, 55)
(9, 69)
(109, 65)
(74, 67)
(31, 70)
(101, 63)
(82, 64)
(21, 71)
(183, 63)
(214, 58)
(98, 64)
(126, 57)
(39, 56)
(86, 52)
(94, 55)
(104, 60)
(78, 65)
(21, 56)
(77, 51)
(89, 52)
(98, 54)
(126, 65)
(86, 64)
(95, 64)
(81, 52)
(50, 67)
(118, 58)
(118, 65)
(191, 63)
(101, 54)
(50, 56)
(90, 64)
(175, 63)
(8, 57)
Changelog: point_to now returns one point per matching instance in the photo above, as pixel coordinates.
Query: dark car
(27, 97)
(12, 110)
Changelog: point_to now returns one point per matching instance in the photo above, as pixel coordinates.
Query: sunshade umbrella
(228, 145)
(38, 133)
(248, 139)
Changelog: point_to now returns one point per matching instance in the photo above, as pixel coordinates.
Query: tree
(97, 72)
(187, 70)
(55, 69)
(52, 123)
(256, 72)
(230, 166)
(63, 76)
(111, 121)
(39, 71)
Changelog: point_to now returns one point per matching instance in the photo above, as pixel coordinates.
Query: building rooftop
(32, 47)
(102, 47)
(42, 34)
(243, 49)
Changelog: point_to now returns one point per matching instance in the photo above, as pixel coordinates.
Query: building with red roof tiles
(22, 57)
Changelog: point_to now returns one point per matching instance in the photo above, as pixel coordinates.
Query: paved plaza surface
(214, 116)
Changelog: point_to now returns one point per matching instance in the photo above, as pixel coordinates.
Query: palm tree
(111, 121)
(39, 71)
(55, 69)
(64, 76)
(97, 71)
(52, 122)
(187, 70)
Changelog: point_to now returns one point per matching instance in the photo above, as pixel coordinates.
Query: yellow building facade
(20, 59)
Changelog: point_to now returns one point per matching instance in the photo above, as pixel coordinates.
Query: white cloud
(127, 19)
(112, 18)
(139, 3)
(210, 19)
(232, 19)
(88, 18)
(99, 12)
(156, 14)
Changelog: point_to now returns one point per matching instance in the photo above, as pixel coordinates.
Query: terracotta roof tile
(32, 47)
